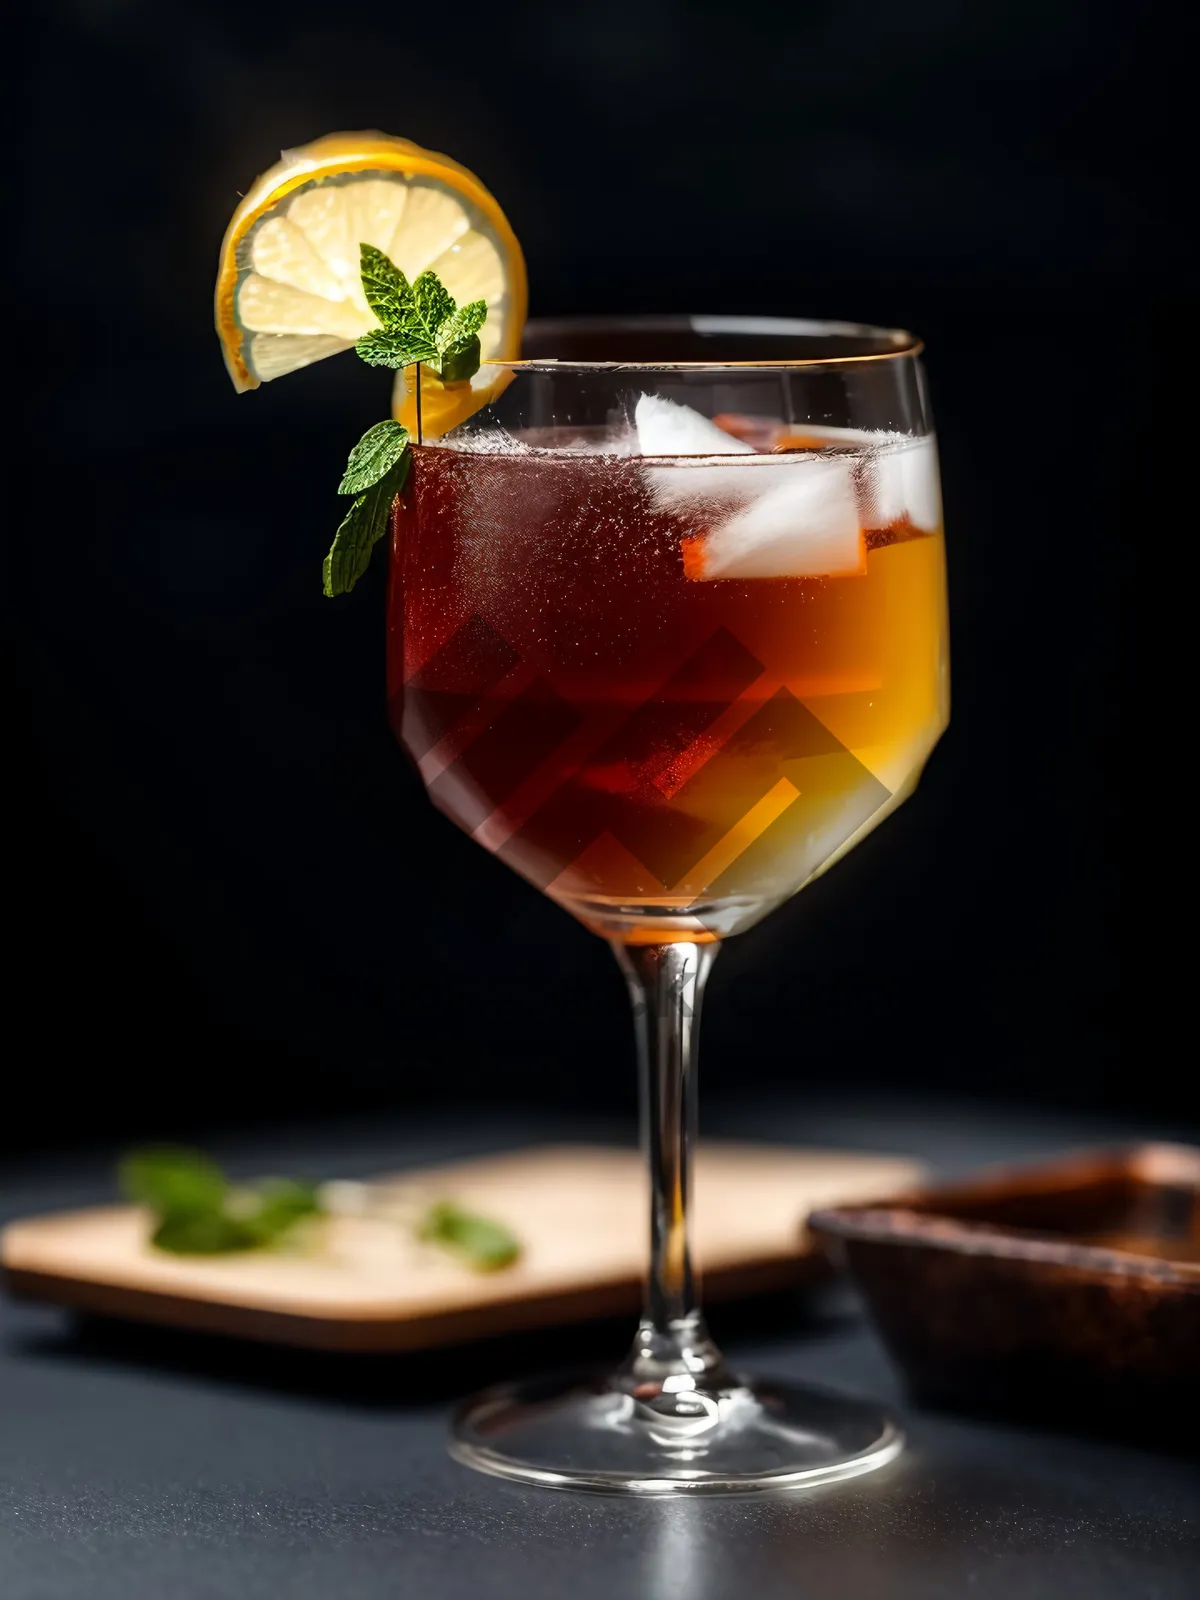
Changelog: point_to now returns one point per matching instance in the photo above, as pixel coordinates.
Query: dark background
(232, 902)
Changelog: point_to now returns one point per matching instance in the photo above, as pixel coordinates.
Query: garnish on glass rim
(198, 1211)
(418, 322)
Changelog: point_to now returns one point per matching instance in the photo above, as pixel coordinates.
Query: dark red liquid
(641, 745)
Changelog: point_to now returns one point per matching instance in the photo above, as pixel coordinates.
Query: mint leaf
(458, 342)
(461, 326)
(361, 530)
(432, 306)
(389, 293)
(169, 1178)
(394, 347)
(199, 1212)
(210, 1233)
(461, 363)
(418, 322)
(268, 1208)
(479, 1241)
(376, 453)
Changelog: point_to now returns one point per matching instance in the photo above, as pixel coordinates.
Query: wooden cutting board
(578, 1210)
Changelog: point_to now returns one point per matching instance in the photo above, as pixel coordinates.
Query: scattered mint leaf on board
(197, 1211)
(417, 322)
(210, 1233)
(270, 1207)
(170, 1179)
(373, 456)
(481, 1242)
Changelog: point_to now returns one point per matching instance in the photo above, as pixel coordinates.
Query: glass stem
(672, 1354)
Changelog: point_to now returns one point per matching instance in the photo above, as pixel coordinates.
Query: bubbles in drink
(668, 667)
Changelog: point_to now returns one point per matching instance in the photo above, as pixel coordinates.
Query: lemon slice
(288, 288)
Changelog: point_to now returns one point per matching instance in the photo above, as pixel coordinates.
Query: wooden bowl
(1071, 1287)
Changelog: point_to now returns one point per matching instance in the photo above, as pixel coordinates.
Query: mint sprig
(417, 322)
(198, 1211)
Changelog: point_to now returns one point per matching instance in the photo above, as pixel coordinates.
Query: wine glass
(667, 633)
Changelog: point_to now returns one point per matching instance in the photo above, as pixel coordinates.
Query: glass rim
(902, 343)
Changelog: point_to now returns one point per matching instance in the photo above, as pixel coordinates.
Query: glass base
(582, 1433)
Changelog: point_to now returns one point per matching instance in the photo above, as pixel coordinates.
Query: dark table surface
(145, 1464)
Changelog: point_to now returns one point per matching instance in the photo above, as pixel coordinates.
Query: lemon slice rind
(289, 293)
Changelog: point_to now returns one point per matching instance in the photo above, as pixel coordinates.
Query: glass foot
(582, 1433)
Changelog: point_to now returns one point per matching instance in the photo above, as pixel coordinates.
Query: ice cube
(902, 483)
(806, 526)
(667, 429)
